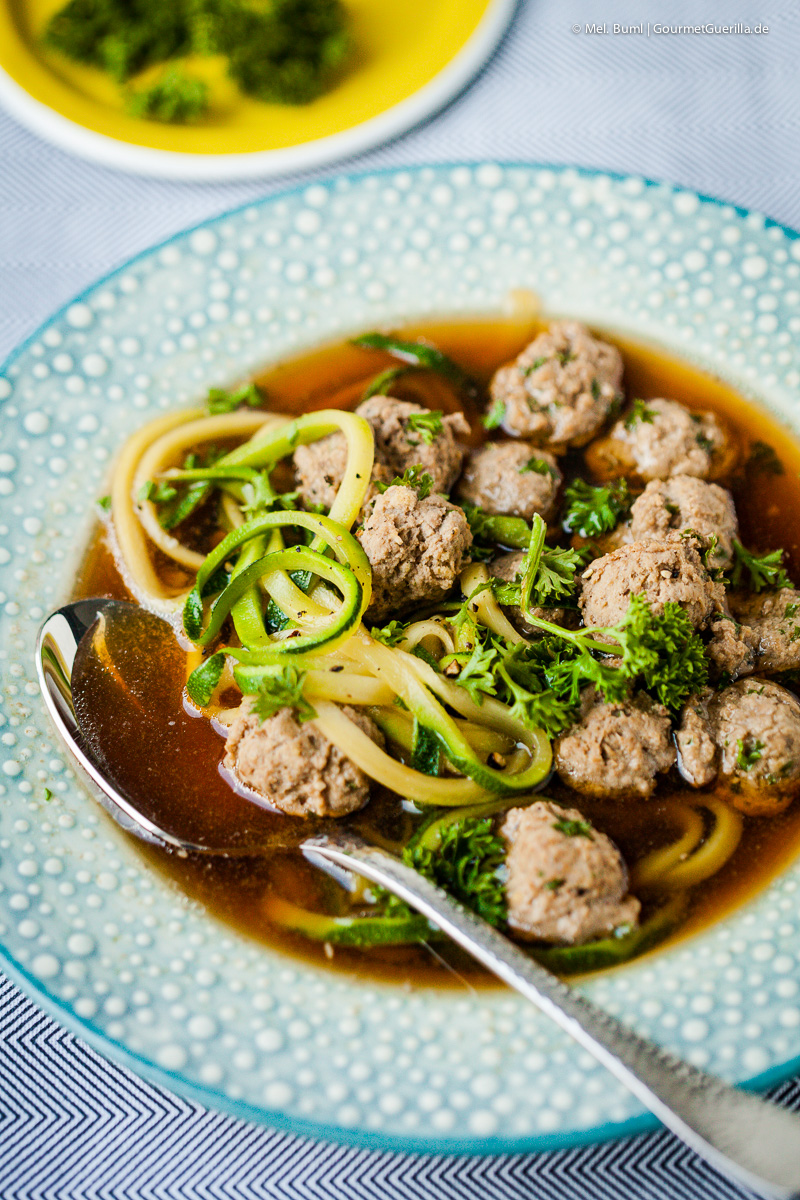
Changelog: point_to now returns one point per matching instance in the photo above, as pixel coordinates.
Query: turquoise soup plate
(114, 951)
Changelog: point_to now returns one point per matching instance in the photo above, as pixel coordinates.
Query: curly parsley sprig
(283, 689)
(764, 573)
(468, 863)
(661, 651)
(390, 635)
(591, 511)
(639, 412)
(548, 574)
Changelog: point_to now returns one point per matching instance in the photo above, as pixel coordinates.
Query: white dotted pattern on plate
(111, 943)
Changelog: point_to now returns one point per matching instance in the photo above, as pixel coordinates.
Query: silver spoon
(748, 1139)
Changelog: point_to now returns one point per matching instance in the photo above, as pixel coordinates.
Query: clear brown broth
(173, 758)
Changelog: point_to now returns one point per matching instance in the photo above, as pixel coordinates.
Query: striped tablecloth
(717, 113)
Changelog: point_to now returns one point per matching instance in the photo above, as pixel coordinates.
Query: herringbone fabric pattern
(717, 114)
(74, 1126)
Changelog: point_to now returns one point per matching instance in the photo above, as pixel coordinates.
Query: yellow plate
(410, 58)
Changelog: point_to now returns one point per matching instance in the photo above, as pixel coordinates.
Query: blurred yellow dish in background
(400, 46)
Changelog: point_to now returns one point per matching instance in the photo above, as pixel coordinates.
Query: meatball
(667, 570)
(508, 568)
(294, 766)
(566, 881)
(774, 620)
(415, 547)
(615, 750)
(511, 479)
(753, 727)
(731, 649)
(319, 467)
(560, 389)
(661, 438)
(685, 503)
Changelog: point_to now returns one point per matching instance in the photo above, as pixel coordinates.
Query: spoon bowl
(74, 678)
(56, 649)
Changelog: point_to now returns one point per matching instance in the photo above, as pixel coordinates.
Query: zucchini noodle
(401, 672)
(651, 869)
(170, 446)
(246, 613)
(691, 859)
(271, 437)
(329, 635)
(377, 764)
(344, 687)
(231, 512)
(399, 726)
(138, 571)
(351, 574)
(483, 606)
(421, 632)
(491, 712)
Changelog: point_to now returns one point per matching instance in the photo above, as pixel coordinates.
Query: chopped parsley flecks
(412, 477)
(748, 753)
(573, 828)
(538, 466)
(495, 415)
(427, 424)
(639, 412)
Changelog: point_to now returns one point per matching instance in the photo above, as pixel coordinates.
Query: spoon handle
(752, 1141)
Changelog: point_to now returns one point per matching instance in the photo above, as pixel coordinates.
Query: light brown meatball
(560, 389)
(661, 438)
(683, 503)
(400, 446)
(567, 882)
(731, 649)
(774, 619)
(294, 766)
(416, 549)
(508, 568)
(511, 479)
(661, 571)
(615, 750)
(319, 467)
(754, 727)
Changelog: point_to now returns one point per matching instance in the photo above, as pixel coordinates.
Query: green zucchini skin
(357, 931)
(417, 354)
(346, 548)
(613, 951)
(425, 750)
(384, 930)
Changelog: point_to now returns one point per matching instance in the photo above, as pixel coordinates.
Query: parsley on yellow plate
(407, 58)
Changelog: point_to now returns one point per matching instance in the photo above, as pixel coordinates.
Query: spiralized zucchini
(694, 855)
(484, 607)
(321, 591)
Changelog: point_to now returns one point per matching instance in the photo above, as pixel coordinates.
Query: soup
(167, 750)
